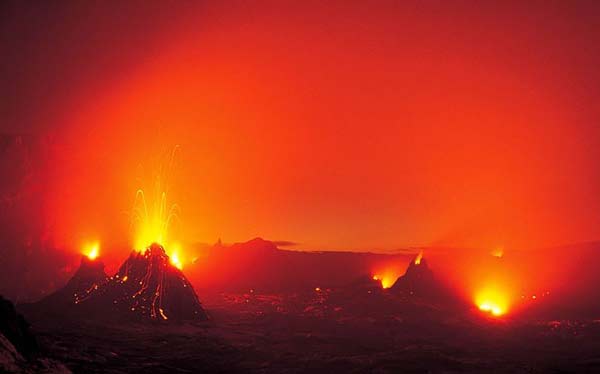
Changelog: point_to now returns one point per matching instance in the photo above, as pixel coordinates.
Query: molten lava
(491, 308)
(493, 301)
(153, 216)
(386, 277)
(91, 250)
(418, 258)
(152, 225)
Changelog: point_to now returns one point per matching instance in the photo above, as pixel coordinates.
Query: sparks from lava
(91, 250)
(152, 225)
(153, 216)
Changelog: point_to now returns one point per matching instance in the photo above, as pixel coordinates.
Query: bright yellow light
(418, 258)
(91, 250)
(492, 300)
(491, 308)
(153, 216)
(174, 256)
(387, 278)
(152, 223)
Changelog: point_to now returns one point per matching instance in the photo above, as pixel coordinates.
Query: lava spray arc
(153, 216)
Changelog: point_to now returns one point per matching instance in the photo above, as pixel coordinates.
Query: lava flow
(149, 286)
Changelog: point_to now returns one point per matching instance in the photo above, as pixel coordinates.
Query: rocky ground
(19, 349)
(325, 331)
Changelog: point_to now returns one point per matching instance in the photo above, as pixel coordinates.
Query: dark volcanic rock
(418, 279)
(19, 350)
(88, 277)
(420, 282)
(14, 327)
(146, 287)
(64, 302)
(364, 283)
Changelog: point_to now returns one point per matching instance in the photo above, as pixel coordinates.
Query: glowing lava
(418, 258)
(490, 308)
(91, 250)
(386, 278)
(152, 225)
(152, 217)
(492, 301)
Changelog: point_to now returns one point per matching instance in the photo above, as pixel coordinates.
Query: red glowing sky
(344, 125)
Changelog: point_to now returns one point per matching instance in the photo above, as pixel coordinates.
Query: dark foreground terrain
(324, 331)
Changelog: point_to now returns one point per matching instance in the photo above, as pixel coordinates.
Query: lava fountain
(152, 217)
(91, 250)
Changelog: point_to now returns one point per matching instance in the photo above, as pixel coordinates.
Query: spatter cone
(148, 286)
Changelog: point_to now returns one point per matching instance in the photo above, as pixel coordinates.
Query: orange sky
(336, 126)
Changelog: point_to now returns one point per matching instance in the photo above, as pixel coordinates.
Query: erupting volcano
(147, 286)
(390, 186)
(420, 282)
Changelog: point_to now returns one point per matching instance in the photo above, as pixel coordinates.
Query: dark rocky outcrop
(19, 350)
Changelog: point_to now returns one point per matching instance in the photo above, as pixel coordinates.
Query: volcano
(420, 282)
(88, 278)
(146, 287)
